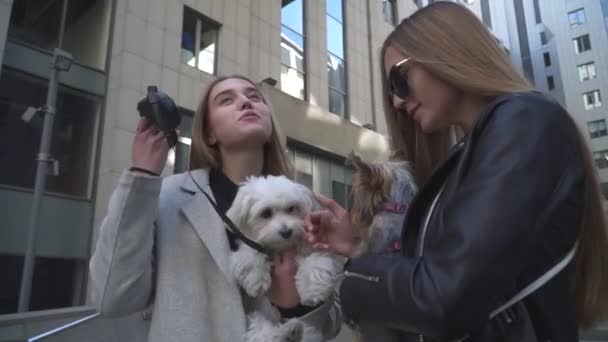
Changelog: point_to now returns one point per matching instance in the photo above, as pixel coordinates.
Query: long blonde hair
(202, 155)
(449, 42)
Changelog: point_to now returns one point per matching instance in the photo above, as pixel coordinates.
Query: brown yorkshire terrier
(378, 203)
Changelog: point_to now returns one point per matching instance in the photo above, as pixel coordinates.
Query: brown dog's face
(371, 187)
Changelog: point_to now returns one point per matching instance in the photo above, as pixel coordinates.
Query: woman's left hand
(283, 292)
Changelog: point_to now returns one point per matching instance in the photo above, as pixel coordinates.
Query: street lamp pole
(61, 62)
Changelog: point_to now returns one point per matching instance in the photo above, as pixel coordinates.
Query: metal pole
(41, 174)
(63, 327)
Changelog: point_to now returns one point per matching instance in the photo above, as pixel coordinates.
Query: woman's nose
(245, 103)
(398, 103)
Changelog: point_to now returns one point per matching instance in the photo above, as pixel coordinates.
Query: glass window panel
(285, 53)
(550, 82)
(36, 24)
(199, 54)
(86, 33)
(321, 176)
(303, 162)
(206, 59)
(588, 101)
(601, 160)
(292, 82)
(53, 285)
(547, 58)
(586, 43)
(582, 73)
(336, 72)
(591, 70)
(604, 188)
(335, 37)
(74, 135)
(543, 38)
(189, 37)
(581, 16)
(293, 38)
(291, 16)
(303, 168)
(182, 149)
(572, 18)
(292, 53)
(339, 193)
(388, 11)
(334, 8)
(337, 102)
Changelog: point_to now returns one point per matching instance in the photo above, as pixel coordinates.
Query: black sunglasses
(398, 80)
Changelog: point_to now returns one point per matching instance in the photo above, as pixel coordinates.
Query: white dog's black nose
(285, 232)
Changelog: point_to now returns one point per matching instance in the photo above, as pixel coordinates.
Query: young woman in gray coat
(163, 248)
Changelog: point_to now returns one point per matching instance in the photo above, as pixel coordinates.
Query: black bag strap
(237, 232)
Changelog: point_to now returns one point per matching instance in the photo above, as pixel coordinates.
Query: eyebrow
(248, 89)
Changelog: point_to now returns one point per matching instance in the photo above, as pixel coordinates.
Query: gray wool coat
(162, 249)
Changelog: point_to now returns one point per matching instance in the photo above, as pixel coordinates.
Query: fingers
(158, 136)
(321, 246)
(141, 124)
(330, 204)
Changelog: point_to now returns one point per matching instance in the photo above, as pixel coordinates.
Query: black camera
(160, 108)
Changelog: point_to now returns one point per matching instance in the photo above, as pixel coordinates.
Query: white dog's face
(270, 210)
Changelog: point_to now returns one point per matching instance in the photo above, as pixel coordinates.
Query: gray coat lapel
(206, 222)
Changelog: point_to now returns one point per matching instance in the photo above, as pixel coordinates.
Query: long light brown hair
(449, 42)
(203, 155)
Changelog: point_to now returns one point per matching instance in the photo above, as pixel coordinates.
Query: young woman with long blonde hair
(163, 249)
(506, 240)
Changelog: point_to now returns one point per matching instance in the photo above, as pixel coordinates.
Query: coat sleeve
(524, 182)
(121, 268)
(327, 318)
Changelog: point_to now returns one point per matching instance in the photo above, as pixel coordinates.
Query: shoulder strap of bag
(237, 232)
(538, 283)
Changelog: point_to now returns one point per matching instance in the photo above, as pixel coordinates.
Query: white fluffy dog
(270, 210)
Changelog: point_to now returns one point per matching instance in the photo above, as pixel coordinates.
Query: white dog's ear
(241, 207)
(308, 197)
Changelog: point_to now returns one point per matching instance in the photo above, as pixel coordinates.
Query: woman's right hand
(150, 148)
(330, 229)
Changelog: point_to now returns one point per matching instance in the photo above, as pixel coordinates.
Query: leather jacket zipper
(348, 274)
(425, 228)
(427, 220)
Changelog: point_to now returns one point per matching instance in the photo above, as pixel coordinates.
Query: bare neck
(237, 165)
(469, 111)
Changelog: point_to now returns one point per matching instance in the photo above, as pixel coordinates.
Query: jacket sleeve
(121, 268)
(327, 318)
(525, 171)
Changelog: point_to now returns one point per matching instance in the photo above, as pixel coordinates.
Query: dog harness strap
(394, 207)
(229, 222)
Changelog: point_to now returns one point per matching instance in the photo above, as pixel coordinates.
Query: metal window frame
(343, 22)
(200, 20)
(304, 50)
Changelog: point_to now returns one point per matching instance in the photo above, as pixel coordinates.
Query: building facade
(317, 61)
(561, 46)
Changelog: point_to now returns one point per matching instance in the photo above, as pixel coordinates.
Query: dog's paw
(316, 278)
(260, 329)
(251, 270)
(292, 331)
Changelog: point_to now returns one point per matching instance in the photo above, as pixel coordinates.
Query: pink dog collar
(393, 207)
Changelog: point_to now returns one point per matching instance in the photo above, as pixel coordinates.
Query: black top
(224, 191)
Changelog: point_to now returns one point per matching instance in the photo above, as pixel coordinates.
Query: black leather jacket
(510, 209)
